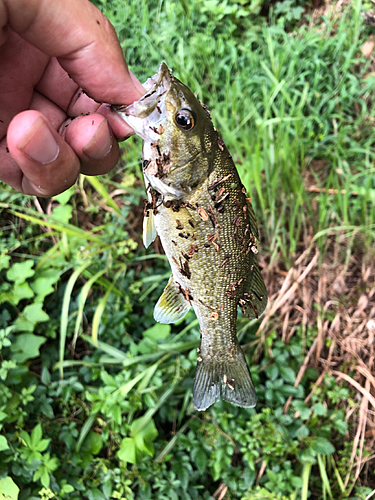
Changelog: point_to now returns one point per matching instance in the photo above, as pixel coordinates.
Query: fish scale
(198, 206)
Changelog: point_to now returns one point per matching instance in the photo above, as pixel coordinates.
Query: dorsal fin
(254, 300)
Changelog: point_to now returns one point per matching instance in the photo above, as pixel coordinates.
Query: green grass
(95, 399)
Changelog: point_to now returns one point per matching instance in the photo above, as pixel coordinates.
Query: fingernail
(39, 143)
(100, 144)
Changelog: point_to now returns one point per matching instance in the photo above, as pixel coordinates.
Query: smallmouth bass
(198, 206)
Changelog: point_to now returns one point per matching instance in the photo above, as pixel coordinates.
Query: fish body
(198, 206)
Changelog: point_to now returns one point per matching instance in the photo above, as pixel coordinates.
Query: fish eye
(184, 119)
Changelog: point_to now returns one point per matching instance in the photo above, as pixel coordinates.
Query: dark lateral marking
(1, 121)
(220, 143)
(191, 223)
(259, 297)
(183, 267)
(179, 225)
(155, 147)
(175, 244)
(185, 270)
(206, 305)
(213, 217)
(237, 220)
(217, 182)
(185, 292)
(146, 163)
(7, 149)
(182, 235)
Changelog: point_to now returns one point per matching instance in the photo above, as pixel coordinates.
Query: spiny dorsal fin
(149, 229)
(228, 379)
(172, 305)
(254, 302)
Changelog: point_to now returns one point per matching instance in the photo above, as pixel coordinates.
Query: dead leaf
(368, 47)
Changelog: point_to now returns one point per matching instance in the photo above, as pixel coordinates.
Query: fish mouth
(145, 115)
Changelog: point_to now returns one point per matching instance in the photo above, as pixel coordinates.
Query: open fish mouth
(146, 115)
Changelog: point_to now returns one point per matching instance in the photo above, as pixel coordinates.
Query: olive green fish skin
(209, 233)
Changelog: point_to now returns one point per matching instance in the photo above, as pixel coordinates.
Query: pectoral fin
(172, 305)
(254, 301)
(149, 229)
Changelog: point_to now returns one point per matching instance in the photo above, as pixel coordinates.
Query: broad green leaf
(30, 317)
(36, 434)
(42, 445)
(322, 446)
(272, 371)
(288, 374)
(93, 443)
(200, 459)
(64, 197)
(62, 213)
(8, 489)
(46, 376)
(302, 432)
(42, 286)
(26, 346)
(4, 261)
(158, 331)
(319, 409)
(3, 443)
(20, 271)
(145, 436)
(20, 291)
(127, 451)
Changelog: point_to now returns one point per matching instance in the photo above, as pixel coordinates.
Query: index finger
(82, 39)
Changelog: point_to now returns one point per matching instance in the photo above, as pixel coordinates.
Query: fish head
(177, 133)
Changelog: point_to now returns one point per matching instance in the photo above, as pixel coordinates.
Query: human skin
(49, 52)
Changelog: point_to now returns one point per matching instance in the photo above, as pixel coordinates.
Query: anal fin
(228, 379)
(172, 305)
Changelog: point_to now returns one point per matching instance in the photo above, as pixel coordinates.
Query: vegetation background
(95, 398)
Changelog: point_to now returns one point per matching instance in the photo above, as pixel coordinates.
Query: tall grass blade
(101, 306)
(65, 313)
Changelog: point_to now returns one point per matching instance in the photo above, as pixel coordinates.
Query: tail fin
(228, 379)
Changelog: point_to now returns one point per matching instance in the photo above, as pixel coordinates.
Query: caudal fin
(228, 379)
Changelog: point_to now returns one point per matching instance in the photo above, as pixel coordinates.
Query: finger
(83, 40)
(92, 140)
(58, 87)
(21, 67)
(47, 164)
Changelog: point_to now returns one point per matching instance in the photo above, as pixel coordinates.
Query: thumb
(82, 39)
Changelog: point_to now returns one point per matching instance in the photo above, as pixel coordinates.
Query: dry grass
(339, 300)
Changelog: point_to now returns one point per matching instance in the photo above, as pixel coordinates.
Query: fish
(198, 206)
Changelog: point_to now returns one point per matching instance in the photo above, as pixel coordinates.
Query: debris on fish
(199, 208)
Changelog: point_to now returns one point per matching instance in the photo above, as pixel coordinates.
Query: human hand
(49, 52)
